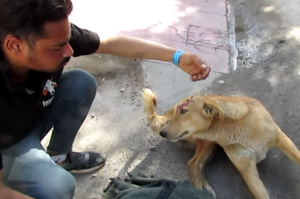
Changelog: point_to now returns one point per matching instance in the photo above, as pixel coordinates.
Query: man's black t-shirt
(22, 106)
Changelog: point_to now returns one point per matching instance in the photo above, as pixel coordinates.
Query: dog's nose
(163, 134)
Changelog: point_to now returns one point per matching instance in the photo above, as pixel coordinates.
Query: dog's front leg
(203, 154)
(244, 160)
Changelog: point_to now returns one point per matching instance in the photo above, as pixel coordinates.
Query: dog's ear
(212, 109)
(154, 101)
(149, 97)
(225, 109)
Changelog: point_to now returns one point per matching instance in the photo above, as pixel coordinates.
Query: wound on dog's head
(186, 103)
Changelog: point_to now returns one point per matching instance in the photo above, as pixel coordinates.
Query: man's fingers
(201, 76)
(206, 72)
(199, 69)
(194, 78)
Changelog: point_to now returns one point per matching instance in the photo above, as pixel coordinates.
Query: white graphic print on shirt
(49, 92)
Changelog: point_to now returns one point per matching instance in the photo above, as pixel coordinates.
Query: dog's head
(190, 115)
(193, 114)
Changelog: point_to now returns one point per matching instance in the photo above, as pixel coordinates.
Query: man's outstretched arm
(136, 48)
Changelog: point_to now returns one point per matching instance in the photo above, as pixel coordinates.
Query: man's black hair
(25, 19)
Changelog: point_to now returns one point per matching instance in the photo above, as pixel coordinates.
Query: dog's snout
(163, 134)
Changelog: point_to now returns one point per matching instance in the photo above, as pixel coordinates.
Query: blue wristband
(176, 57)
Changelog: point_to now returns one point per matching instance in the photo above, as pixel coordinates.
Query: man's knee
(80, 82)
(58, 184)
(33, 173)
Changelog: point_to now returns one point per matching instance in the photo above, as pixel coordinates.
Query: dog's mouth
(181, 136)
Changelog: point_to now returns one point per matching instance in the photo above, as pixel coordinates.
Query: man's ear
(12, 44)
(212, 109)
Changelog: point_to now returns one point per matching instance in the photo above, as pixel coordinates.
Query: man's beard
(63, 63)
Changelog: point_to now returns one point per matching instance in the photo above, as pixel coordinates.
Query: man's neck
(18, 71)
(16, 68)
(18, 74)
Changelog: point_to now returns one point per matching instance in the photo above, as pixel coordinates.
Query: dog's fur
(242, 126)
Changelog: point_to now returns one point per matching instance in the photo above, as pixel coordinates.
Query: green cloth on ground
(141, 187)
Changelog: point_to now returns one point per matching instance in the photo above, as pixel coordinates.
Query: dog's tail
(150, 104)
(287, 146)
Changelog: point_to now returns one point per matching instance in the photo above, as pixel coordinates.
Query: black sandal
(84, 162)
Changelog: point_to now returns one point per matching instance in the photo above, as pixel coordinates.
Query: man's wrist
(176, 57)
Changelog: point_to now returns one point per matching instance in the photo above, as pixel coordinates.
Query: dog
(241, 125)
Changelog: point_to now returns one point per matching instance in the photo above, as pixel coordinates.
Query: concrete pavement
(268, 57)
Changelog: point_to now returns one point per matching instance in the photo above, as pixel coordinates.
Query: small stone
(122, 90)
(221, 82)
(93, 115)
(153, 148)
(138, 103)
(132, 73)
(94, 175)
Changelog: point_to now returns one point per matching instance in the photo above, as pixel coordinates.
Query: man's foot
(83, 162)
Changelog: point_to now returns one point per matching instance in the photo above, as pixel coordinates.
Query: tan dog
(240, 125)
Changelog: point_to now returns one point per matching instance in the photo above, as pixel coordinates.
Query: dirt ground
(268, 68)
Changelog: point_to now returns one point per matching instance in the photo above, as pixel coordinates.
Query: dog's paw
(201, 185)
(197, 183)
(210, 191)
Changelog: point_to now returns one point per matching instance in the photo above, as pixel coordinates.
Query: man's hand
(8, 193)
(194, 66)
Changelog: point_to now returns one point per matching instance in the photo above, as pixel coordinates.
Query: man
(37, 41)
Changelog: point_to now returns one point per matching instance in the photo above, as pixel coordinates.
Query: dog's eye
(183, 111)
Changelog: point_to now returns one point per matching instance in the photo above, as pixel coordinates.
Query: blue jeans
(27, 167)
